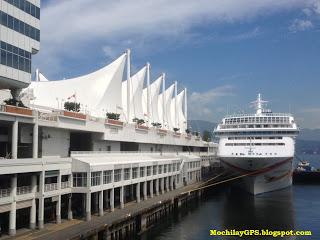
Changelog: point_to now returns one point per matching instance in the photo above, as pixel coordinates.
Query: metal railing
(24, 190)
(50, 187)
(65, 185)
(5, 192)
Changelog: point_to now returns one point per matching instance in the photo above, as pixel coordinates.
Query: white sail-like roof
(99, 92)
(136, 88)
(167, 115)
(178, 118)
(154, 94)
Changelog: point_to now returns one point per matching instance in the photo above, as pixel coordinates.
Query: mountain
(201, 125)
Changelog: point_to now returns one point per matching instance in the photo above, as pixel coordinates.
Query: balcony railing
(5, 192)
(24, 190)
(65, 185)
(50, 187)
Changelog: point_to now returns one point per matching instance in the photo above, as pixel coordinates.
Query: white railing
(65, 185)
(24, 190)
(50, 187)
(5, 192)
(262, 115)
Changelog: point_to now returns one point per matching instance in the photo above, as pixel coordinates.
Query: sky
(223, 52)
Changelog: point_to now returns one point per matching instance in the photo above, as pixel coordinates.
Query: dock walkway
(72, 229)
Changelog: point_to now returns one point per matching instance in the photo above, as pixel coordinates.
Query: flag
(72, 96)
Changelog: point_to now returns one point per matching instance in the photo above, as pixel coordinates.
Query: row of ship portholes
(255, 154)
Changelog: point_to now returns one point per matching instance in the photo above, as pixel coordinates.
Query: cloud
(76, 29)
(300, 25)
(203, 104)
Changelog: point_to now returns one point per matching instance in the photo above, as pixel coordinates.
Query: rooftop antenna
(258, 104)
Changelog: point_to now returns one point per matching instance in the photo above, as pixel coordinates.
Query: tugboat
(304, 173)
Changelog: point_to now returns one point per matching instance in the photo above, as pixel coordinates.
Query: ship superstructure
(260, 145)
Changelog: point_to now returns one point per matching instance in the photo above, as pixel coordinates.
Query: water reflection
(270, 211)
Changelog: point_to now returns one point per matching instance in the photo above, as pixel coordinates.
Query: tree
(206, 136)
(14, 102)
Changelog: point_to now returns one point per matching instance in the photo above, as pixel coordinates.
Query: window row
(252, 138)
(26, 6)
(255, 144)
(257, 154)
(258, 133)
(256, 126)
(15, 61)
(13, 49)
(194, 164)
(257, 120)
(19, 26)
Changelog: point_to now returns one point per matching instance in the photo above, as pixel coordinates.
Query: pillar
(162, 185)
(145, 191)
(13, 210)
(167, 184)
(138, 192)
(41, 200)
(122, 197)
(14, 140)
(70, 215)
(112, 199)
(33, 209)
(35, 138)
(101, 203)
(157, 186)
(88, 206)
(58, 210)
(151, 188)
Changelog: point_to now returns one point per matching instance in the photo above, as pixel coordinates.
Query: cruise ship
(259, 147)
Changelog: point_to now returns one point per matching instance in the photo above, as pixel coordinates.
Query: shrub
(72, 106)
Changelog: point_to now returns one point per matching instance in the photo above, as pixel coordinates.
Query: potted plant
(176, 131)
(156, 124)
(113, 119)
(139, 124)
(72, 109)
(16, 107)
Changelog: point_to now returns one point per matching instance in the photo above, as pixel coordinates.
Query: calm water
(297, 207)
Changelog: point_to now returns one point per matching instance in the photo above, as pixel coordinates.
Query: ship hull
(260, 175)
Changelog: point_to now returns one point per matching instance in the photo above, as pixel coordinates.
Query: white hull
(266, 174)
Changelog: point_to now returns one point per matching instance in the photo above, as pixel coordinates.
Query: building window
(160, 169)
(26, 6)
(95, 178)
(141, 171)
(173, 167)
(169, 167)
(14, 57)
(165, 168)
(117, 175)
(24, 28)
(155, 170)
(107, 176)
(79, 179)
(134, 172)
(148, 170)
(126, 173)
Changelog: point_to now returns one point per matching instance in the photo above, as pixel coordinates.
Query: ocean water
(293, 208)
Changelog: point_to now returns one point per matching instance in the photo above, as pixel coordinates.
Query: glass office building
(19, 40)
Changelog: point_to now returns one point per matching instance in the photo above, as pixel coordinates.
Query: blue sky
(224, 52)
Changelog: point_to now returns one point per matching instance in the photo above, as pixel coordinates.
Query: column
(88, 206)
(122, 197)
(162, 185)
(58, 204)
(33, 209)
(157, 186)
(145, 191)
(58, 210)
(151, 188)
(35, 137)
(101, 203)
(13, 210)
(112, 199)
(138, 192)
(41, 200)
(14, 141)
(167, 184)
(70, 215)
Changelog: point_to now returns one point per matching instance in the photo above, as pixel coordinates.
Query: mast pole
(163, 98)
(128, 83)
